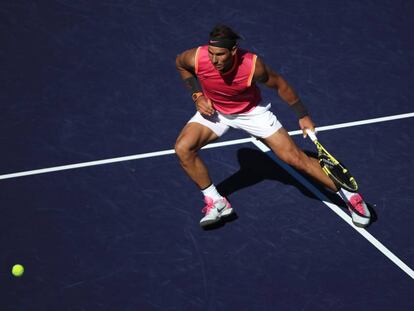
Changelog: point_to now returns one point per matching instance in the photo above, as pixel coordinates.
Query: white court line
(115, 160)
(357, 123)
(332, 206)
(339, 212)
(171, 151)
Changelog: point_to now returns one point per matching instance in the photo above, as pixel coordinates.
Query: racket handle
(311, 135)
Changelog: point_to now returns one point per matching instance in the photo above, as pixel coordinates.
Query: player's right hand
(204, 106)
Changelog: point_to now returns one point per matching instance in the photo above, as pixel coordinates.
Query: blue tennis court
(95, 205)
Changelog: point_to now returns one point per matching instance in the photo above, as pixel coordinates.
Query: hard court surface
(96, 207)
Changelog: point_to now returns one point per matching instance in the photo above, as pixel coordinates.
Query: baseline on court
(375, 242)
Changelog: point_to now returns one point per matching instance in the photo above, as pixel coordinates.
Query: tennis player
(222, 79)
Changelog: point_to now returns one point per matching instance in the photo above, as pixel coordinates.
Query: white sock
(211, 192)
(344, 194)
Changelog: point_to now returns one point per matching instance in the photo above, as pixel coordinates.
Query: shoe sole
(362, 221)
(359, 225)
(226, 212)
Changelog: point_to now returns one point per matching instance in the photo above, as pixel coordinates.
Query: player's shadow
(255, 167)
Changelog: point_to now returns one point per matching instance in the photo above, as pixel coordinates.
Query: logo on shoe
(221, 206)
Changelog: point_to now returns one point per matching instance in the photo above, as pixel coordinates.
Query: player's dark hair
(223, 36)
(223, 32)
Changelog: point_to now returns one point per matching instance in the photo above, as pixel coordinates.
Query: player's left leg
(285, 148)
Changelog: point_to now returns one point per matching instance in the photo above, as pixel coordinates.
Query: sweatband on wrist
(299, 109)
(195, 96)
(193, 85)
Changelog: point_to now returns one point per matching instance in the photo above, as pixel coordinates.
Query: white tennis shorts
(259, 122)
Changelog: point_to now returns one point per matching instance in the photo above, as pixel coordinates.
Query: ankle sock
(211, 192)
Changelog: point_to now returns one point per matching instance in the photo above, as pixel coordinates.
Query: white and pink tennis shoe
(215, 210)
(359, 211)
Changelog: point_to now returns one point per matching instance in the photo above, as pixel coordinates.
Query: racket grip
(311, 135)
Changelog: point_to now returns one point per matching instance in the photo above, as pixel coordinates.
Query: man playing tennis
(222, 80)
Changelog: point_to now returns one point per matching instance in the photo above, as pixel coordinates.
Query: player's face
(221, 58)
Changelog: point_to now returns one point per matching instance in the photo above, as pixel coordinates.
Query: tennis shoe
(215, 210)
(359, 211)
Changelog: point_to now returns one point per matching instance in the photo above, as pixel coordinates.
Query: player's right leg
(191, 139)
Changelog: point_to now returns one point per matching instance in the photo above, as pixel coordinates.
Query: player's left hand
(306, 123)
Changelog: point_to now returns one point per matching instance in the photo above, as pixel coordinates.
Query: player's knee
(180, 149)
(183, 150)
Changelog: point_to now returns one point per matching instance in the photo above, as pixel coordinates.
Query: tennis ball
(18, 270)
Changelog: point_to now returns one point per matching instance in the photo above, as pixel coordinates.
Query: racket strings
(338, 173)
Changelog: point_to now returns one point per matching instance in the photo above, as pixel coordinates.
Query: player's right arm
(185, 63)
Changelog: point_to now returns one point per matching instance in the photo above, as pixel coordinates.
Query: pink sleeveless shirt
(233, 91)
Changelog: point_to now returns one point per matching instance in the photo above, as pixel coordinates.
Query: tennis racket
(332, 167)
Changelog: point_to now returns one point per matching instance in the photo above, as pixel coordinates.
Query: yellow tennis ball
(18, 270)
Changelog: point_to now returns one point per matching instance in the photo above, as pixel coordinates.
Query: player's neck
(230, 66)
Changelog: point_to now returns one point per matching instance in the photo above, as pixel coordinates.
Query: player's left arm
(264, 74)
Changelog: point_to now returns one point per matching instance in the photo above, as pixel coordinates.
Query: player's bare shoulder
(186, 59)
(264, 74)
(261, 74)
